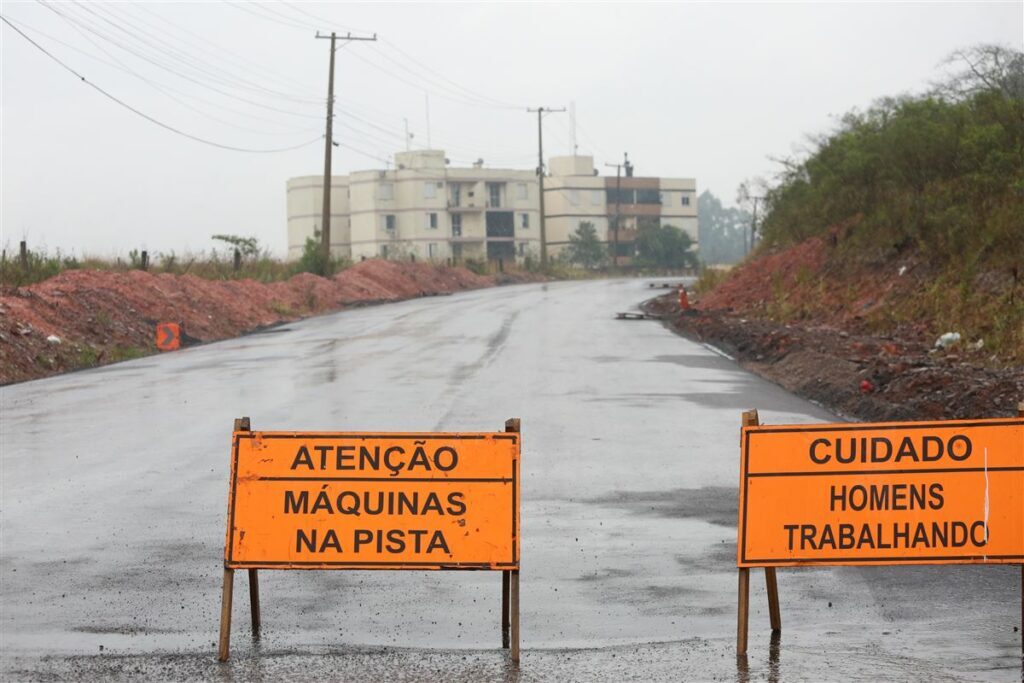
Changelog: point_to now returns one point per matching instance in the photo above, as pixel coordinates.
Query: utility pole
(618, 201)
(540, 177)
(325, 230)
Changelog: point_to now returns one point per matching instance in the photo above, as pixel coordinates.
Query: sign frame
(510, 630)
(750, 419)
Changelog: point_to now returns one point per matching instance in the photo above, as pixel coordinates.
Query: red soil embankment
(105, 316)
(840, 334)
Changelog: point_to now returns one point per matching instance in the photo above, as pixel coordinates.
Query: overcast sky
(708, 91)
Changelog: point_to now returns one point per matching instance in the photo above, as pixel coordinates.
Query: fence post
(238, 260)
(144, 260)
(24, 255)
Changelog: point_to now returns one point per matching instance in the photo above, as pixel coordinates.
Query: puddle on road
(714, 504)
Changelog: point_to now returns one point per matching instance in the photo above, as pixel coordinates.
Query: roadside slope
(102, 317)
(858, 338)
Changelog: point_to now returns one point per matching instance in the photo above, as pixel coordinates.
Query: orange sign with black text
(884, 493)
(374, 501)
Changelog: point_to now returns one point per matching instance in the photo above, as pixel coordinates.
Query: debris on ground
(787, 317)
(84, 318)
(947, 340)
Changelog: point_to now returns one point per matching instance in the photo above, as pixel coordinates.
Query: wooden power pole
(618, 203)
(540, 178)
(325, 221)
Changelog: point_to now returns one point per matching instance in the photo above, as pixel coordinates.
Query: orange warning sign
(373, 501)
(887, 493)
(168, 336)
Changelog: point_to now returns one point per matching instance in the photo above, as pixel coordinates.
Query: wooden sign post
(877, 494)
(345, 500)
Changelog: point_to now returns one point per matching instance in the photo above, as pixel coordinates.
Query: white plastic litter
(53, 339)
(903, 269)
(947, 340)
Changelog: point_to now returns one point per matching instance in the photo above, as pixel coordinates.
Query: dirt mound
(829, 331)
(82, 318)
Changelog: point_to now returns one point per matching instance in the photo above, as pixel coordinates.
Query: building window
(457, 225)
(386, 191)
(524, 221)
(432, 250)
(648, 197)
(494, 195)
(429, 190)
(384, 251)
(456, 193)
(623, 196)
(432, 221)
(522, 248)
(666, 199)
(686, 200)
(521, 191)
(390, 223)
(596, 198)
(574, 197)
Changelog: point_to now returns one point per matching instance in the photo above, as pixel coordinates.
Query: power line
(155, 43)
(198, 42)
(147, 116)
(296, 8)
(77, 21)
(252, 11)
(162, 88)
(480, 100)
(419, 86)
(443, 77)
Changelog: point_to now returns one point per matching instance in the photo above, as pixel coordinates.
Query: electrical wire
(294, 6)
(76, 21)
(479, 101)
(162, 88)
(147, 116)
(424, 67)
(210, 48)
(419, 86)
(154, 43)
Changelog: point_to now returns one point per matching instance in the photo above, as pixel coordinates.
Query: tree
(585, 248)
(665, 246)
(984, 68)
(248, 246)
(723, 231)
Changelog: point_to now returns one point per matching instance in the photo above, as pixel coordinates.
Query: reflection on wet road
(115, 479)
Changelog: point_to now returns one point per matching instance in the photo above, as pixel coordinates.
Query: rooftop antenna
(572, 127)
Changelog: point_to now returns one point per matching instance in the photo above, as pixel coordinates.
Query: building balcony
(465, 207)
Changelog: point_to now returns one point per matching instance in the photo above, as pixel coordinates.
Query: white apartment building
(425, 208)
(574, 193)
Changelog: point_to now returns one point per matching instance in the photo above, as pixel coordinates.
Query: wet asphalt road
(114, 486)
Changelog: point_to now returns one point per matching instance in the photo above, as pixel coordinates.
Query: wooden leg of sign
(254, 603)
(773, 599)
(505, 579)
(514, 612)
(743, 611)
(225, 615)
